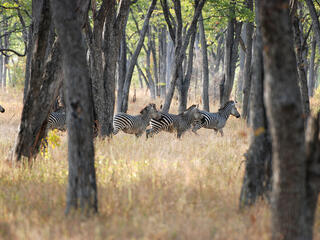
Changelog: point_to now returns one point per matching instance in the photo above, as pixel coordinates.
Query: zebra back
(57, 120)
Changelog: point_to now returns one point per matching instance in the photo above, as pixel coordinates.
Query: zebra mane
(226, 104)
(188, 109)
(148, 106)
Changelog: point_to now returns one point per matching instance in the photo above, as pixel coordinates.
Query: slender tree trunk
(185, 84)
(82, 188)
(257, 178)
(180, 46)
(283, 103)
(28, 62)
(247, 65)
(122, 69)
(242, 56)
(169, 61)
(205, 67)
(312, 68)
(303, 83)
(162, 61)
(127, 83)
(154, 61)
(148, 67)
(231, 55)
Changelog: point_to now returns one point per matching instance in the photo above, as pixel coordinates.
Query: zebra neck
(225, 113)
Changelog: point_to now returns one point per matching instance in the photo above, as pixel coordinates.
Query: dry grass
(162, 188)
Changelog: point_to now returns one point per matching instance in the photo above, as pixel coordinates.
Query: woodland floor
(162, 188)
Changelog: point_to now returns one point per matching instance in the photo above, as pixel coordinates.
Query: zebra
(174, 123)
(2, 109)
(57, 120)
(135, 124)
(217, 120)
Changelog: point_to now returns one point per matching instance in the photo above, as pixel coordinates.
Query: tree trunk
(154, 61)
(205, 67)
(127, 83)
(180, 46)
(257, 178)
(122, 69)
(311, 68)
(148, 67)
(162, 61)
(185, 84)
(82, 189)
(283, 104)
(39, 100)
(111, 45)
(28, 62)
(231, 56)
(247, 64)
(303, 83)
(242, 56)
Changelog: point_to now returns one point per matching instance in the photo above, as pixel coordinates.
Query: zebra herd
(192, 118)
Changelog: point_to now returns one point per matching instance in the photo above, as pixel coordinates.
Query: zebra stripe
(135, 124)
(217, 120)
(171, 122)
(57, 120)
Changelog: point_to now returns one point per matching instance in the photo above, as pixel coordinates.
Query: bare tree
(82, 189)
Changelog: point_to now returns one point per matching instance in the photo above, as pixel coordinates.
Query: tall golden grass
(162, 188)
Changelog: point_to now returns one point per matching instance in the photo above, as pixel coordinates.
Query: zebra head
(234, 110)
(230, 108)
(1, 109)
(151, 111)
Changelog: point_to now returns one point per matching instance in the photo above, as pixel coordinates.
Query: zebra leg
(221, 132)
(115, 131)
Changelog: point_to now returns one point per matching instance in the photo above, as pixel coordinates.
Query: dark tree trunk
(154, 61)
(28, 62)
(231, 55)
(97, 66)
(82, 189)
(185, 84)
(122, 69)
(39, 98)
(283, 103)
(127, 83)
(312, 68)
(205, 67)
(303, 83)
(111, 45)
(257, 178)
(247, 65)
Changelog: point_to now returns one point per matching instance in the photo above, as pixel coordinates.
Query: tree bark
(257, 178)
(162, 61)
(283, 103)
(111, 45)
(231, 55)
(303, 83)
(247, 65)
(38, 100)
(82, 189)
(205, 67)
(312, 68)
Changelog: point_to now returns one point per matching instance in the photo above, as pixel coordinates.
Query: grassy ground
(162, 188)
